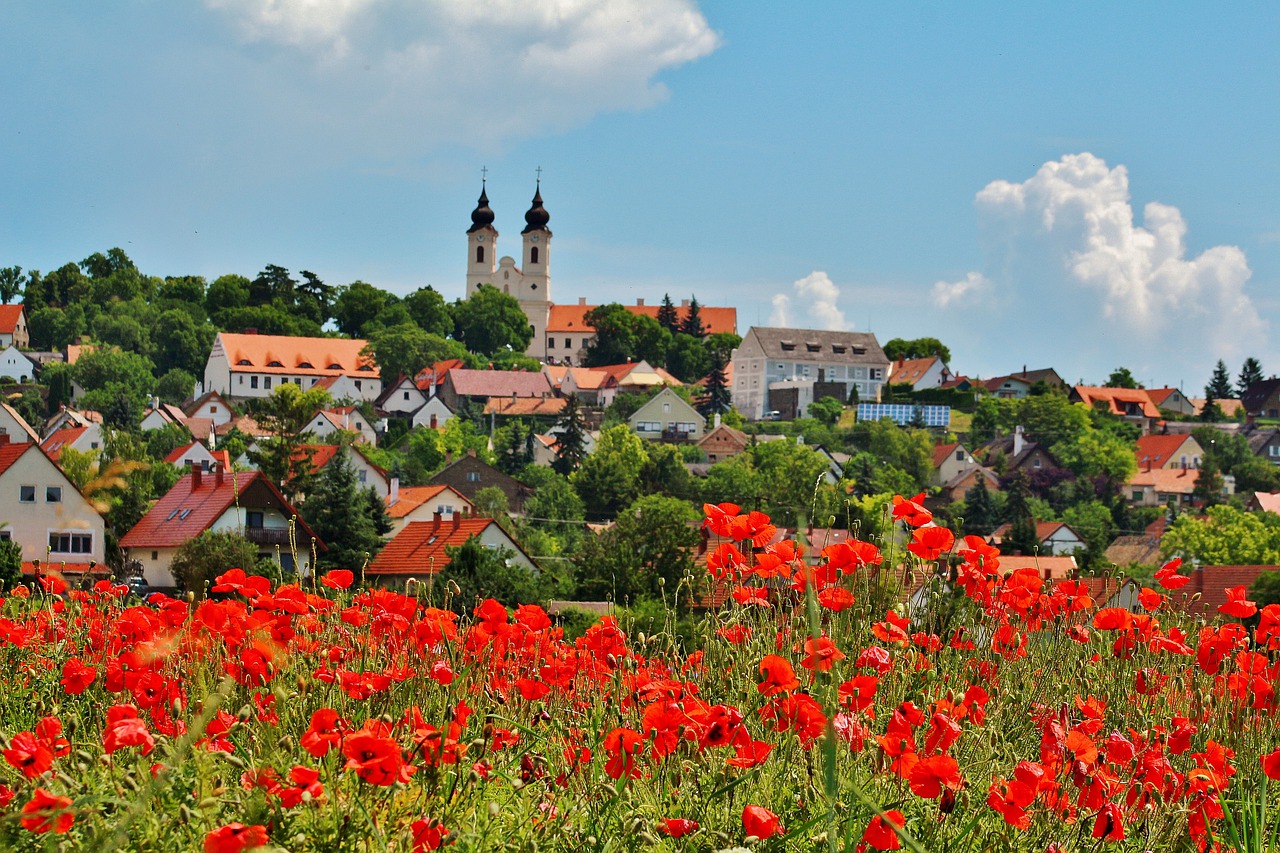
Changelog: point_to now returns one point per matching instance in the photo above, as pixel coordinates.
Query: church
(561, 334)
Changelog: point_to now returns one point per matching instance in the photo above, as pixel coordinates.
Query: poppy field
(816, 710)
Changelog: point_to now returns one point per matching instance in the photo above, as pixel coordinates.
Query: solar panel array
(904, 413)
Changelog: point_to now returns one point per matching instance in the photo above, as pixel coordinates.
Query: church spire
(536, 218)
(482, 216)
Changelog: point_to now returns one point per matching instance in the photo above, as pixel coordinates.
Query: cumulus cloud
(1066, 241)
(816, 297)
(948, 292)
(412, 75)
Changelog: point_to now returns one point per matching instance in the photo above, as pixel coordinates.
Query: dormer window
(788, 346)
(366, 367)
(306, 365)
(274, 363)
(859, 350)
(334, 366)
(812, 347)
(838, 348)
(244, 361)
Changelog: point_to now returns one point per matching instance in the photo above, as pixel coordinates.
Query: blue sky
(1081, 186)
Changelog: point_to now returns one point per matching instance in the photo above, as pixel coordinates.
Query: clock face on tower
(479, 238)
(534, 238)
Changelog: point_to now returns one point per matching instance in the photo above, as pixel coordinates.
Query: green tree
(314, 298)
(1121, 378)
(1021, 538)
(1211, 412)
(1208, 486)
(181, 343)
(491, 321)
(609, 478)
(176, 386)
(1250, 372)
(692, 323)
(827, 410)
(980, 516)
(118, 384)
(1266, 589)
(285, 415)
(668, 317)
(12, 282)
(1095, 523)
(1219, 387)
(1051, 419)
(201, 559)
(482, 572)
(664, 472)
(1096, 454)
(10, 564)
(338, 512)
(357, 304)
(721, 345)
(1225, 536)
(274, 282)
(405, 350)
(571, 439)
(646, 555)
(897, 348)
(687, 359)
(227, 292)
(719, 398)
(513, 446)
(553, 507)
(429, 310)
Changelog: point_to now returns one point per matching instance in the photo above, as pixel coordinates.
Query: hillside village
(160, 430)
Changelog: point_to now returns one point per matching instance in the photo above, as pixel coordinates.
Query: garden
(898, 694)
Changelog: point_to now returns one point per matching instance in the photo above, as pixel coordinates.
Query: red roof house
(419, 549)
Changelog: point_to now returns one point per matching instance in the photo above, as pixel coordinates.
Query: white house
(211, 407)
(421, 503)
(13, 327)
(197, 454)
(160, 415)
(919, 373)
(837, 362)
(15, 365)
(403, 398)
(45, 513)
(15, 426)
(83, 439)
(667, 417)
(244, 367)
(433, 414)
(328, 422)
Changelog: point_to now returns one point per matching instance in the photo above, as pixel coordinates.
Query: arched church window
(479, 254)
(533, 255)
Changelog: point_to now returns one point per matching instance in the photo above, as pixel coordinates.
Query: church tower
(535, 280)
(482, 245)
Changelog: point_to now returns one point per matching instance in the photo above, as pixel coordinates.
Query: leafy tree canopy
(208, 555)
(899, 348)
(1225, 536)
(1121, 378)
(491, 321)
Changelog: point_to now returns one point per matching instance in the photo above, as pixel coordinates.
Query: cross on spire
(484, 173)
(539, 172)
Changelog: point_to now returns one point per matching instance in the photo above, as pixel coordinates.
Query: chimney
(639, 303)
(716, 420)
(471, 453)
(218, 473)
(155, 402)
(684, 303)
(457, 520)
(434, 422)
(395, 491)
(435, 521)
(582, 300)
(448, 457)
(4, 438)
(195, 475)
(1018, 441)
(251, 330)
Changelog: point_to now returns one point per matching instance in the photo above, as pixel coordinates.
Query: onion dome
(536, 218)
(482, 216)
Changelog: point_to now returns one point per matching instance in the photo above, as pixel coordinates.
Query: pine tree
(1208, 487)
(571, 440)
(1021, 538)
(1219, 387)
(1250, 372)
(979, 509)
(338, 512)
(719, 399)
(1211, 412)
(692, 322)
(668, 317)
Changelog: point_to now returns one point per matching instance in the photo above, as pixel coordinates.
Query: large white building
(801, 365)
(244, 367)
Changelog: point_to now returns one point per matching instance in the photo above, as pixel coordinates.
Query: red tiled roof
(499, 383)
(1044, 529)
(1229, 407)
(570, 318)
(1268, 501)
(9, 315)
(178, 452)
(1114, 397)
(1212, 582)
(412, 497)
(1170, 481)
(1159, 395)
(200, 428)
(419, 547)
(1156, 450)
(59, 439)
(9, 454)
(910, 369)
(260, 351)
(1054, 568)
(941, 452)
(47, 567)
(525, 406)
(186, 512)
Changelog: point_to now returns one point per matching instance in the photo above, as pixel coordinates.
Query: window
(406, 395)
(5, 536)
(666, 407)
(1274, 450)
(27, 494)
(357, 384)
(71, 543)
(959, 455)
(444, 509)
(253, 382)
(253, 518)
(479, 254)
(648, 426)
(533, 255)
(473, 476)
(568, 343)
(274, 363)
(362, 476)
(266, 382)
(837, 348)
(155, 555)
(53, 494)
(1137, 496)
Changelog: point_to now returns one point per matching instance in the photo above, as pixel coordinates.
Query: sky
(1079, 186)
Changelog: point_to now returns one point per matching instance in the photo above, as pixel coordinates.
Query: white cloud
(1065, 241)
(947, 292)
(816, 295)
(403, 76)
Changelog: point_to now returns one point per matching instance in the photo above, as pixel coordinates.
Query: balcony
(268, 536)
(675, 435)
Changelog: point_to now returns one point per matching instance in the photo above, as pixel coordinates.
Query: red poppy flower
(931, 775)
(1109, 824)
(759, 822)
(306, 787)
(428, 835)
(125, 729)
(1271, 764)
(77, 677)
(1167, 575)
(47, 813)
(859, 693)
(911, 511)
(28, 754)
(338, 578)
(750, 753)
(375, 758)
(779, 677)
(1237, 605)
(677, 827)
(836, 599)
(822, 654)
(234, 838)
(881, 833)
(929, 543)
(324, 733)
(622, 746)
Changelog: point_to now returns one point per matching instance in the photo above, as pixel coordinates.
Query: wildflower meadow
(900, 694)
